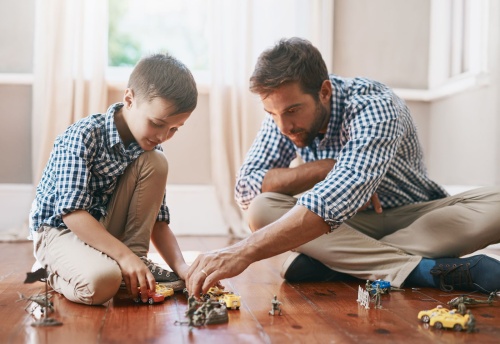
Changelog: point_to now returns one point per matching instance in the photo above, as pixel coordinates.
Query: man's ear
(326, 91)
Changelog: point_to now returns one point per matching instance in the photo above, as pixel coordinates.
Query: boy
(101, 198)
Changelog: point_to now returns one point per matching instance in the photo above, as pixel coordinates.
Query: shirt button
(106, 170)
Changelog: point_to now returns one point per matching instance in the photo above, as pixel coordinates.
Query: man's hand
(375, 202)
(210, 267)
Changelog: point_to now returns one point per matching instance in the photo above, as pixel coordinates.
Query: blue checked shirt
(373, 139)
(83, 170)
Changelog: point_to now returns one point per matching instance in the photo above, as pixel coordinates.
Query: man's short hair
(162, 75)
(290, 60)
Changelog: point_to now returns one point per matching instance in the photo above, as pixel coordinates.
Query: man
(358, 143)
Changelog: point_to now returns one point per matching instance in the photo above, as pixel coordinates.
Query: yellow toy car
(165, 291)
(452, 320)
(426, 316)
(215, 293)
(231, 301)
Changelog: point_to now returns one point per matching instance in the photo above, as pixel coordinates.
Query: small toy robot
(276, 306)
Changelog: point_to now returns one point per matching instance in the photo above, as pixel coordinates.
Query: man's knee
(267, 208)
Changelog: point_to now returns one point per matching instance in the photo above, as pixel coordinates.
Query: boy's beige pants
(390, 245)
(85, 275)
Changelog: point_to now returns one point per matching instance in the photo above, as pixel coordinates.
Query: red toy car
(153, 297)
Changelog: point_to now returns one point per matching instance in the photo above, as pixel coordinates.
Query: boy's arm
(168, 248)
(90, 231)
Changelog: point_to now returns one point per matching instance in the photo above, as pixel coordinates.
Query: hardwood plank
(312, 312)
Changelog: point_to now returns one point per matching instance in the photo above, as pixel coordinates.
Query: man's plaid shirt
(373, 139)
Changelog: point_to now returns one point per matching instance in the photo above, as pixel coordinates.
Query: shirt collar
(336, 106)
(114, 138)
(113, 135)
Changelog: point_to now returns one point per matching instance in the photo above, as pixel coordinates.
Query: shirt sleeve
(374, 133)
(72, 157)
(164, 213)
(270, 149)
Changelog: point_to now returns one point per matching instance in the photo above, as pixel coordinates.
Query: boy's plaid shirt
(372, 137)
(83, 170)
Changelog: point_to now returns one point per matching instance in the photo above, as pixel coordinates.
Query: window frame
(458, 49)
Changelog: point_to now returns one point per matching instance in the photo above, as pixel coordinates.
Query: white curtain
(241, 30)
(70, 61)
(70, 58)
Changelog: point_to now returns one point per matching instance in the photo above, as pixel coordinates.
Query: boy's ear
(128, 98)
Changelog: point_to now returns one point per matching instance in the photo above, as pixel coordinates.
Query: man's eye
(174, 129)
(158, 125)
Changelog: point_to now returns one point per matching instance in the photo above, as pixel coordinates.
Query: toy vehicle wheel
(137, 300)
(426, 319)
(151, 301)
(457, 327)
(438, 325)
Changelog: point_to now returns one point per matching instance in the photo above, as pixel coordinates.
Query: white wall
(389, 41)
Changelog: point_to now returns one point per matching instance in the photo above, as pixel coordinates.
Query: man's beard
(309, 135)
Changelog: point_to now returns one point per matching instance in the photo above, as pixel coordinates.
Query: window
(141, 27)
(458, 49)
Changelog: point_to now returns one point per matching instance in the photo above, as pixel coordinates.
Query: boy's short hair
(162, 75)
(290, 60)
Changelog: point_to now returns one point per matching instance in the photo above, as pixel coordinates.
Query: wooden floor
(312, 312)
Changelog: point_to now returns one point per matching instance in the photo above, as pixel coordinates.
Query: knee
(101, 286)
(156, 161)
(267, 208)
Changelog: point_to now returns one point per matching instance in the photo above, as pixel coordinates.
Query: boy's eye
(174, 129)
(156, 124)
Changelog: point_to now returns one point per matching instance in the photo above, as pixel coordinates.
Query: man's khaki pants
(85, 275)
(390, 245)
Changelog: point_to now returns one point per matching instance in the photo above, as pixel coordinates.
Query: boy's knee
(101, 286)
(156, 160)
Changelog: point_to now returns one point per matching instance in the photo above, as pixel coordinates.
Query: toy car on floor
(215, 293)
(153, 297)
(426, 316)
(165, 291)
(231, 301)
(451, 319)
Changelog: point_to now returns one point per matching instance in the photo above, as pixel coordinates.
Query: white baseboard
(194, 209)
(15, 203)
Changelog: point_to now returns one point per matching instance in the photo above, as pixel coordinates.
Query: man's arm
(92, 232)
(295, 180)
(168, 248)
(286, 233)
(270, 150)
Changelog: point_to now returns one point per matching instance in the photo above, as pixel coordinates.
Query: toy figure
(190, 314)
(377, 297)
(471, 323)
(41, 300)
(216, 314)
(276, 306)
(368, 286)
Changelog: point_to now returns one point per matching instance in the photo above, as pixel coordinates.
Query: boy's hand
(136, 274)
